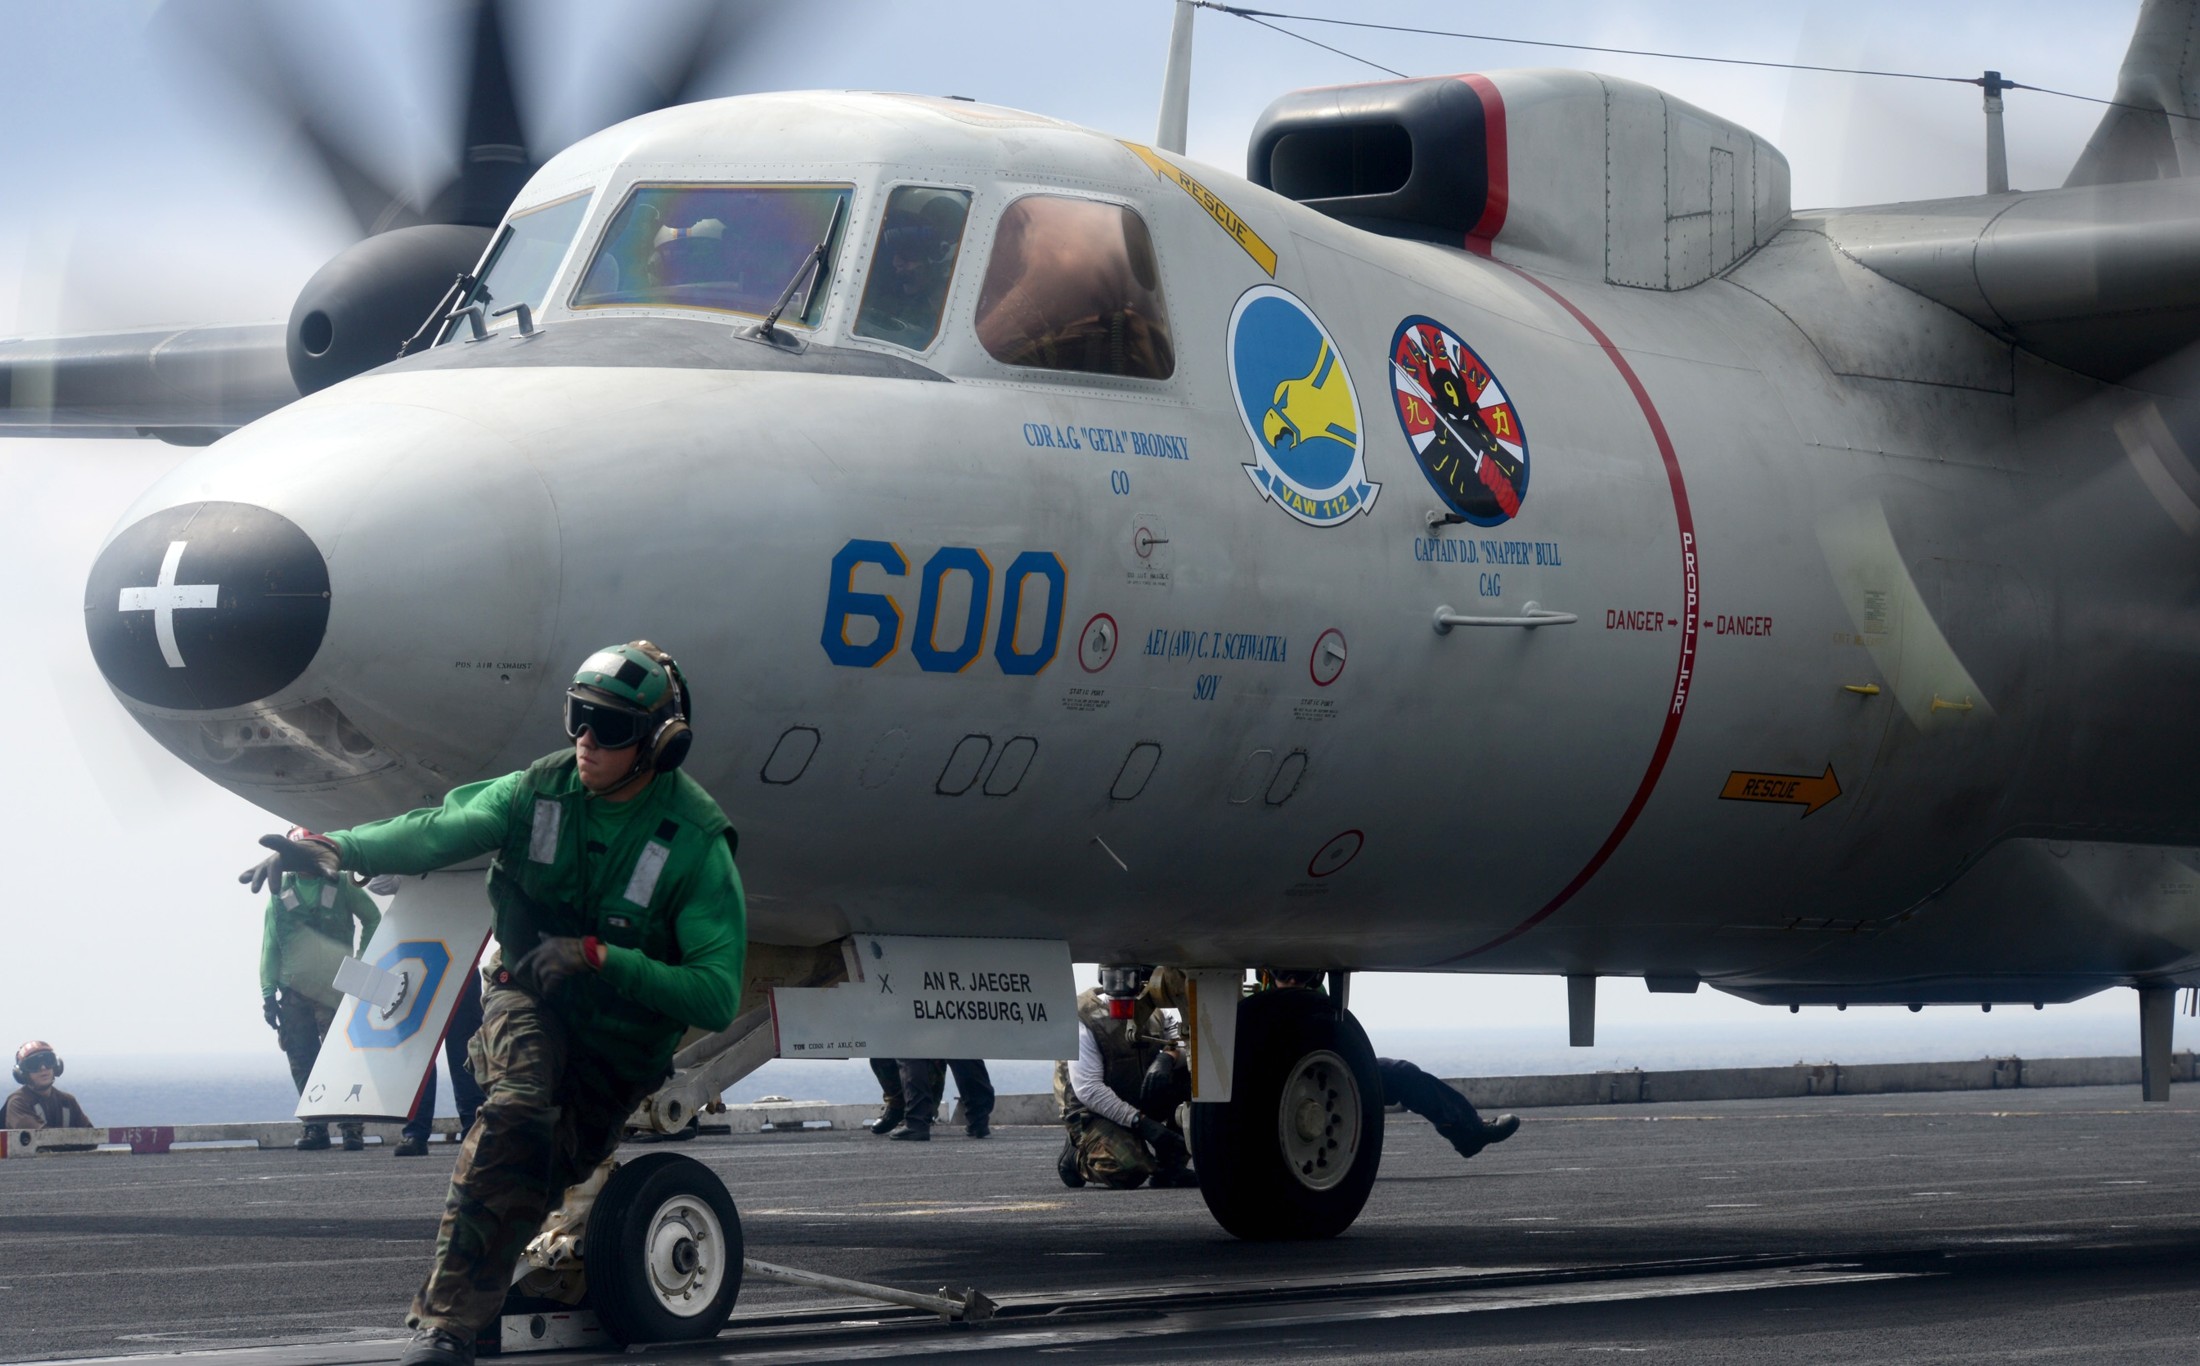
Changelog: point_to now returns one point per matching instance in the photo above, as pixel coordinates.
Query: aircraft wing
(184, 385)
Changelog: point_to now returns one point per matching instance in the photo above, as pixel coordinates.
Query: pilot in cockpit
(690, 255)
(915, 264)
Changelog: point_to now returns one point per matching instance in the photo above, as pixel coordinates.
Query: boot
(889, 1119)
(438, 1347)
(979, 1127)
(313, 1140)
(1469, 1139)
(1175, 1178)
(913, 1132)
(411, 1145)
(1065, 1166)
(355, 1139)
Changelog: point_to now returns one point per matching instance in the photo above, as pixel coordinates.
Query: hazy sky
(142, 188)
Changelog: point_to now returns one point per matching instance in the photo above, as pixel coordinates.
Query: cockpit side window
(914, 263)
(725, 248)
(526, 257)
(1073, 285)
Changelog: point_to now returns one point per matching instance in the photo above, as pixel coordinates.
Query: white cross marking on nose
(165, 598)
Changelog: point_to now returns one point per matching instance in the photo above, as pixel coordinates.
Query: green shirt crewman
(308, 930)
(305, 933)
(620, 923)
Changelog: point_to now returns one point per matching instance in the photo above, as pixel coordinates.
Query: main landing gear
(1292, 1154)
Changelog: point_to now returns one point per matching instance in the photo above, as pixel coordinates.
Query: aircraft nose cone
(206, 606)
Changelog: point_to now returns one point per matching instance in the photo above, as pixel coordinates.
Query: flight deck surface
(1973, 1226)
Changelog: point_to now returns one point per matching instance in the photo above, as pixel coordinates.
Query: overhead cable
(1262, 16)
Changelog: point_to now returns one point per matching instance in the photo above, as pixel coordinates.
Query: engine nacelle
(1595, 172)
(360, 307)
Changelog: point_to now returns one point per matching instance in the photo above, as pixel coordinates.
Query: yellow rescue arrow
(1225, 217)
(1794, 789)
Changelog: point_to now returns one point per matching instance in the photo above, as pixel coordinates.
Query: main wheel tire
(663, 1251)
(1292, 1154)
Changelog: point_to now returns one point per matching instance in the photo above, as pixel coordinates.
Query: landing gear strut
(1292, 1154)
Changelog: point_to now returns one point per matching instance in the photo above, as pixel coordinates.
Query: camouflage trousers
(304, 1024)
(553, 1111)
(1109, 1154)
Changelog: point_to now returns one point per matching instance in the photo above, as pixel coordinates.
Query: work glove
(550, 962)
(1167, 1143)
(271, 1012)
(309, 857)
(385, 884)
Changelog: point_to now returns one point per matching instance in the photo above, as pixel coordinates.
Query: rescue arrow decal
(1225, 217)
(1792, 789)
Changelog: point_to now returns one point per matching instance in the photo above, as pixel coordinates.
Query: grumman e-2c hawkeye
(1495, 535)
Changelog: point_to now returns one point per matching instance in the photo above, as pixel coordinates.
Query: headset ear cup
(670, 748)
(20, 1079)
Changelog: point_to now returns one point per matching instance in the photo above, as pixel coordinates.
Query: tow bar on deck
(568, 1328)
(970, 1306)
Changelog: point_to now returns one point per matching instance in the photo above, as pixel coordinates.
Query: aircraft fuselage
(1872, 691)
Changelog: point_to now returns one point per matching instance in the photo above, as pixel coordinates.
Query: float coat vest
(309, 931)
(1123, 1057)
(549, 879)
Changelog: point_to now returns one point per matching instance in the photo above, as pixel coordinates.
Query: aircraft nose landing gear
(1293, 1153)
(663, 1251)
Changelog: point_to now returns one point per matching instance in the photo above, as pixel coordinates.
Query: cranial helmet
(631, 675)
(30, 1054)
(632, 694)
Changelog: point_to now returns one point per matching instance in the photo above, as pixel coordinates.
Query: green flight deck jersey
(307, 932)
(651, 878)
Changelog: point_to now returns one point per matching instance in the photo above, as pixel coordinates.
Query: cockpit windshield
(913, 265)
(527, 256)
(727, 248)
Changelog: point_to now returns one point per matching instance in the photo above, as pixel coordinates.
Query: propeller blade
(233, 43)
(493, 159)
(711, 37)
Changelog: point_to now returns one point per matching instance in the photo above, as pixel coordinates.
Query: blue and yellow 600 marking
(844, 604)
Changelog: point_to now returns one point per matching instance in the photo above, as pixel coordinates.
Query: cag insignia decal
(1464, 432)
(1300, 409)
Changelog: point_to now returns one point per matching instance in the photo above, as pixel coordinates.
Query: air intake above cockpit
(1591, 171)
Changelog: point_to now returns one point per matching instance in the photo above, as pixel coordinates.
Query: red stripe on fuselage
(1684, 671)
(1499, 196)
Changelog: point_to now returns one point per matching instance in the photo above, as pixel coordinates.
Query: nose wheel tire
(663, 1251)
(1293, 1153)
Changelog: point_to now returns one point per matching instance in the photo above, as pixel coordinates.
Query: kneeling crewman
(1119, 1098)
(620, 922)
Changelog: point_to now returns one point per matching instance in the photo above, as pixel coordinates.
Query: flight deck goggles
(613, 727)
(39, 1062)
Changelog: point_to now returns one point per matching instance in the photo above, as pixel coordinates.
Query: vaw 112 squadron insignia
(1299, 408)
(1465, 435)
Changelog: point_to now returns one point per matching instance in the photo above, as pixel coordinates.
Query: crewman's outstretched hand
(309, 857)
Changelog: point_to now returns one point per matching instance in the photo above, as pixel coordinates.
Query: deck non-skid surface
(2059, 1226)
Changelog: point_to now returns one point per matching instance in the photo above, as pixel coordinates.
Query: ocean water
(242, 1087)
